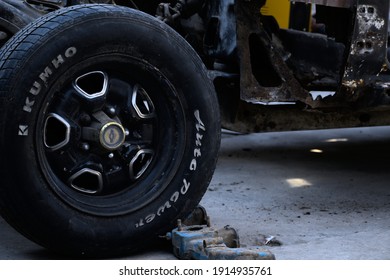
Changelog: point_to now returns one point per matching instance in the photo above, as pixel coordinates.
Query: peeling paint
(353, 84)
(367, 17)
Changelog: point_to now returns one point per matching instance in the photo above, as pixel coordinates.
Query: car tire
(109, 130)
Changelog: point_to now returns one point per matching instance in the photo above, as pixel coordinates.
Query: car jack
(202, 242)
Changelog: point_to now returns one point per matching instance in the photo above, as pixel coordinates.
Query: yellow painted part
(279, 9)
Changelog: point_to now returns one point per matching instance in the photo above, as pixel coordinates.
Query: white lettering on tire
(200, 128)
(42, 80)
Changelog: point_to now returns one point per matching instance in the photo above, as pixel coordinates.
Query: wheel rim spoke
(56, 132)
(141, 103)
(138, 159)
(87, 181)
(92, 85)
(139, 164)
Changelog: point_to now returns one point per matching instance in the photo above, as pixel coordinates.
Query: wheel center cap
(112, 136)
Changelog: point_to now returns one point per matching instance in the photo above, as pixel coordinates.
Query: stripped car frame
(268, 78)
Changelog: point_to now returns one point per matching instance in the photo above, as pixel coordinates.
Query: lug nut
(85, 119)
(111, 155)
(85, 146)
(112, 111)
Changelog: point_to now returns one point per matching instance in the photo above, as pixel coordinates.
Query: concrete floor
(322, 194)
